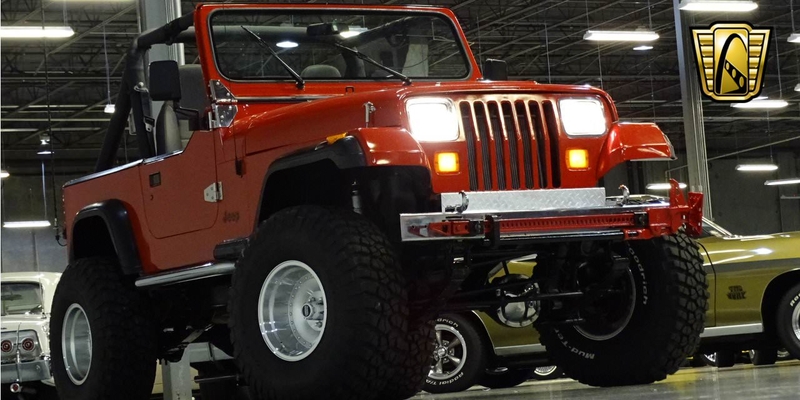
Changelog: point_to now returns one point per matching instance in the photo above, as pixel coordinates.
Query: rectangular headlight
(582, 117)
(432, 119)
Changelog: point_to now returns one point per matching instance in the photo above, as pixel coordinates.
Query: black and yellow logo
(731, 58)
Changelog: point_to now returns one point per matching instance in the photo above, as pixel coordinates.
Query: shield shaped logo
(730, 60)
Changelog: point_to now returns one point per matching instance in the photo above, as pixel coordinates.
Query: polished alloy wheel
(76, 343)
(449, 355)
(292, 310)
(796, 321)
(545, 371)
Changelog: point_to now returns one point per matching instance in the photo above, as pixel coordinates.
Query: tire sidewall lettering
(572, 349)
(641, 271)
(454, 379)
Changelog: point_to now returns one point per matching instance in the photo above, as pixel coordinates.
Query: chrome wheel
(450, 353)
(76, 344)
(292, 310)
(796, 320)
(545, 371)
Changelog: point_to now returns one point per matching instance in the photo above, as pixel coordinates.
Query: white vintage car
(25, 323)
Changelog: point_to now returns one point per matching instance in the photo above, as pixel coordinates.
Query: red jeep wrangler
(322, 181)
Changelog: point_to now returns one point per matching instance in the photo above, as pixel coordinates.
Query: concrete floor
(780, 381)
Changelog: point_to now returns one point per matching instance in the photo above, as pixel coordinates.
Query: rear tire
(506, 379)
(787, 321)
(459, 359)
(118, 359)
(669, 300)
(318, 307)
(414, 363)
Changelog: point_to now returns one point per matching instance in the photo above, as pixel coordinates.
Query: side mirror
(495, 70)
(165, 83)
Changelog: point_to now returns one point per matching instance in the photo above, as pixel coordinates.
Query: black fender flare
(345, 153)
(117, 221)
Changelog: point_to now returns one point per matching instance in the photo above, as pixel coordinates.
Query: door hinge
(213, 193)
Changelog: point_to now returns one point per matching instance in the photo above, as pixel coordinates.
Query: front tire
(318, 307)
(666, 301)
(788, 321)
(103, 343)
(459, 357)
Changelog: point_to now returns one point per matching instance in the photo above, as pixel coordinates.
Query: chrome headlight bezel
(428, 125)
(583, 116)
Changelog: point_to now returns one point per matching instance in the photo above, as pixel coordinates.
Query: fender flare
(345, 153)
(117, 221)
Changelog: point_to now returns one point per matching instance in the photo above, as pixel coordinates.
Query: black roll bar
(133, 96)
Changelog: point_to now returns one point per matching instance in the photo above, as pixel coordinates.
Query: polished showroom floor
(780, 381)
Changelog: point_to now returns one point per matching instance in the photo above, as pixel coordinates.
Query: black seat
(173, 132)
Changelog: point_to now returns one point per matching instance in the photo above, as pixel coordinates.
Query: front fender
(390, 146)
(633, 142)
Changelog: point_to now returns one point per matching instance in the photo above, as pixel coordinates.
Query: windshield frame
(718, 228)
(459, 39)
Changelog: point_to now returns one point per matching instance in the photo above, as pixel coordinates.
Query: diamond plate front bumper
(562, 214)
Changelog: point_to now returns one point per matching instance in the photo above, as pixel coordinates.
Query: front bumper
(27, 371)
(553, 215)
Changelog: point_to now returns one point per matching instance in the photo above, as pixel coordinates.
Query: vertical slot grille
(552, 133)
(508, 144)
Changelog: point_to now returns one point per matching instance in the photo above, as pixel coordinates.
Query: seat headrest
(193, 87)
(320, 71)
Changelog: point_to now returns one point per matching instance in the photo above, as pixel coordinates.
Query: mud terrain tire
(364, 305)
(123, 338)
(663, 329)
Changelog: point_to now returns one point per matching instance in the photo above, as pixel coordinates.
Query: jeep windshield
(314, 43)
(21, 298)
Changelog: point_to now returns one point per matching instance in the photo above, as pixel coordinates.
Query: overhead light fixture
(663, 186)
(718, 5)
(30, 32)
(756, 167)
(44, 152)
(4, 174)
(794, 38)
(109, 108)
(352, 31)
(776, 182)
(26, 224)
(643, 48)
(286, 44)
(621, 36)
(761, 104)
(797, 88)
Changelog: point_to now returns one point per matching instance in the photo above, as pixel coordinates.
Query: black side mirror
(495, 70)
(165, 82)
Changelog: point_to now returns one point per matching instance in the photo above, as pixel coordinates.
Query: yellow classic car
(755, 294)
(754, 285)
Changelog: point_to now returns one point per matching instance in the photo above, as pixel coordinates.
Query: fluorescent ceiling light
(794, 38)
(758, 104)
(286, 44)
(775, 182)
(4, 174)
(352, 31)
(26, 224)
(109, 108)
(643, 48)
(756, 167)
(797, 88)
(44, 152)
(621, 36)
(718, 5)
(663, 186)
(29, 32)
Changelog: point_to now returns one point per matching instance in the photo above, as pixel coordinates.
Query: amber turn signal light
(577, 159)
(446, 163)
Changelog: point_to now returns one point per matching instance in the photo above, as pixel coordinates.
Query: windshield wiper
(406, 80)
(297, 78)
